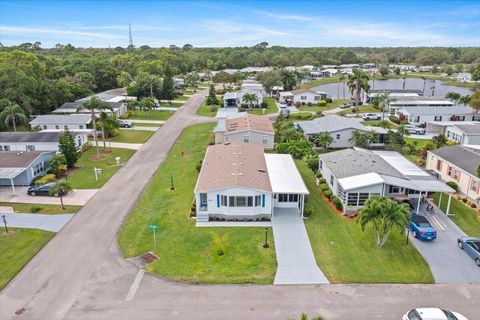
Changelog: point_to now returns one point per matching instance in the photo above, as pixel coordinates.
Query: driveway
(77, 197)
(448, 263)
(148, 121)
(124, 145)
(141, 128)
(47, 222)
(295, 260)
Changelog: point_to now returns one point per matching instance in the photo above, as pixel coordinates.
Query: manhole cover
(148, 257)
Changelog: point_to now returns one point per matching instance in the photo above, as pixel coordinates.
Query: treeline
(39, 80)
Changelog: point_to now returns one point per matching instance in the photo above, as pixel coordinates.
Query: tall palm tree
(433, 90)
(383, 101)
(384, 215)
(13, 114)
(60, 189)
(424, 84)
(453, 96)
(250, 99)
(464, 100)
(358, 81)
(106, 121)
(92, 105)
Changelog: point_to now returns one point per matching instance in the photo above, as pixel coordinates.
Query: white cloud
(291, 17)
(57, 33)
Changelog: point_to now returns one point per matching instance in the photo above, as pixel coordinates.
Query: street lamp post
(172, 187)
(5, 223)
(265, 245)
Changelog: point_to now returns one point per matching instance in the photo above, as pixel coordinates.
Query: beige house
(248, 129)
(458, 164)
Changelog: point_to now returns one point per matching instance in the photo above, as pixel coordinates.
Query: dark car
(41, 190)
(471, 246)
(346, 106)
(421, 228)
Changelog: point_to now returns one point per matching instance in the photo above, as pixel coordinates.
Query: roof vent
(261, 170)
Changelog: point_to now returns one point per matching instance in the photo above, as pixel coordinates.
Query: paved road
(47, 222)
(77, 197)
(81, 274)
(447, 262)
(295, 260)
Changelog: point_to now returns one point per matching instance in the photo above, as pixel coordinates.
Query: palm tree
(191, 80)
(13, 114)
(147, 104)
(424, 84)
(94, 104)
(383, 101)
(358, 81)
(60, 189)
(323, 139)
(464, 100)
(249, 99)
(384, 215)
(207, 74)
(402, 131)
(453, 96)
(106, 121)
(433, 90)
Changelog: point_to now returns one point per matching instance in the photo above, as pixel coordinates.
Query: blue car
(421, 228)
(471, 246)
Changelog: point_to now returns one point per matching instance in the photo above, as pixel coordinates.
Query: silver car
(414, 129)
(471, 246)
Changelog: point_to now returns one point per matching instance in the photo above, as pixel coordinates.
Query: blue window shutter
(263, 200)
(218, 201)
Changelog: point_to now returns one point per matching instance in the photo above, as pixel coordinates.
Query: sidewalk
(78, 197)
(132, 146)
(47, 222)
(148, 121)
(140, 128)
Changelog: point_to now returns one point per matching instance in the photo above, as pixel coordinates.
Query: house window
(460, 118)
(316, 98)
(80, 126)
(362, 197)
(293, 198)
(474, 185)
(285, 197)
(223, 201)
(338, 136)
(416, 119)
(456, 174)
(475, 118)
(393, 189)
(6, 148)
(37, 169)
(303, 97)
(352, 199)
(44, 127)
(264, 139)
(30, 147)
(449, 171)
(203, 199)
(246, 139)
(320, 164)
(439, 165)
(332, 178)
(240, 201)
(258, 201)
(57, 126)
(438, 118)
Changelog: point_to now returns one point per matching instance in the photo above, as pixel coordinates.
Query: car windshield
(475, 245)
(413, 315)
(450, 316)
(424, 225)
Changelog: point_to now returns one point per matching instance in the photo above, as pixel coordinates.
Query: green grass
(133, 136)
(301, 116)
(318, 82)
(186, 252)
(44, 208)
(346, 254)
(182, 98)
(361, 109)
(18, 247)
(138, 124)
(84, 176)
(421, 143)
(462, 84)
(271, 108)
(152, 115)
(379, 123)
(464, 217)
(329, 106)
(207, 111)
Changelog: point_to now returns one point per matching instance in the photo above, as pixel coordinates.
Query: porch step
(201, 217)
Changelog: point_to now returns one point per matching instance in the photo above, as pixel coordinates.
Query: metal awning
(10, 173)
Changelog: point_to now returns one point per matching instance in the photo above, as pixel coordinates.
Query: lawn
(420, 143)
(380, 123)
(18, 247)
(186, 252)
(462, 84)
(346, 254)
(464, 217)
(152, 115)
(271, 108)
(133, 136)
(361, 109)
(207, 111)
(43, 208)
(318, 82)
(301, 116)
(329, 106)
(84, 176)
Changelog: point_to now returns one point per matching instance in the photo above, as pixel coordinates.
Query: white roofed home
(464, 133)
(306, 96)
(464, 77)
(37, 141)
(246, 128)
(239, 182)
(416, 101)
(423, 115)
(355, 175)
(53, 122)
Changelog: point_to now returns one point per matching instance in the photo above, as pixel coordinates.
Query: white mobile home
(422, 115)
(71, 122)
(36, 141)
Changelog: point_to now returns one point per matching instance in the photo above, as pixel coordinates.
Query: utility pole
(130, 39)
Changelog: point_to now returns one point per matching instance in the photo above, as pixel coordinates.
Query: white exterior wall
(62, 126)
(213, 209)
(80, 140)
(254, 137)
(344, 139)
(311, 97)
(431, 117)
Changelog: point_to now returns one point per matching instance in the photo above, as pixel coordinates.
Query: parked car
(346, 106)
(371, 116)
(432, 314)
(421, 228)
(125, 124)
(414, 129)
(285, 113)
(471, 246)
(40, 190)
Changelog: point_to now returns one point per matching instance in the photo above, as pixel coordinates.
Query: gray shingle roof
(350, 162)
(60, 119)
(438, 110)
(473, 129)
(16, 159)
(29, 136)
(330, 123)
(465, 158)
(70, 107)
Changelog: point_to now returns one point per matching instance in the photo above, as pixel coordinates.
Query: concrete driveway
(448, 263)
(140, 128)
(295, 260)
(77, 197)
(47, 222)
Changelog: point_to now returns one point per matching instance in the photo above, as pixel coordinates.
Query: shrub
(323, 180)
(394, 119)
(321, 103)
(199, 165)
(319, 174)
(309, 104)
(327, 193)
(452, 185)
(127, 114)
(311, 160)
(464, 200)
(86, 146)
(308, 211)
(264, 105)
(34, 209)
(329, 100)
(297, 104)
(473, 205)
(323, 187)
(354, 110)
(337, 203)
(49, 177)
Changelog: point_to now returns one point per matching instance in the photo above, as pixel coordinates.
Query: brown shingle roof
(249, 122)
(18, 159)
(236, 164)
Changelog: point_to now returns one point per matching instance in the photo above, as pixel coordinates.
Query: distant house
(235, 99)
(239, 182)
(329, 72)
(355, 175)
(458, 164)
(305, 96)
(464, 77)
(248, 129)
(276, 90)
(422, 115)
(36, 141)
(341, 129)
(464, 133)
(20, 168)
(73, 122)
(425, 68)
(285, 97)
(417, 101)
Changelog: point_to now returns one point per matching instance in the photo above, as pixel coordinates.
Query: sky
(242, 23)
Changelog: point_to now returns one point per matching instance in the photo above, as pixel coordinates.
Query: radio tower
(130, 39)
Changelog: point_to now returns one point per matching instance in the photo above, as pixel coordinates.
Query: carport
(10, 174)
